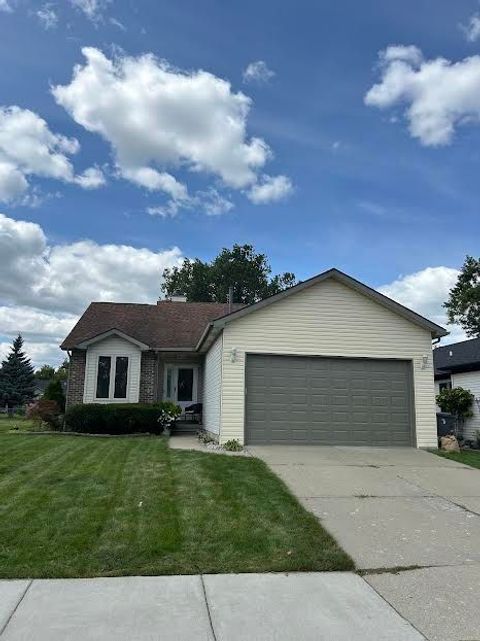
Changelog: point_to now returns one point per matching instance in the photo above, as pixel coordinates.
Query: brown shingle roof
(165, 325)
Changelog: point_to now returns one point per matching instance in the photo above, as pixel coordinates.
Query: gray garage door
(328, 401)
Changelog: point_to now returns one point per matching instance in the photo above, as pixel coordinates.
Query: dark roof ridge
(450, 345)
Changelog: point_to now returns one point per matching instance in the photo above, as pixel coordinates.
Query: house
(458, 365)
(329, 361)
(41, 385)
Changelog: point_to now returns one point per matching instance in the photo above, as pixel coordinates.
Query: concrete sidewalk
(259, 607)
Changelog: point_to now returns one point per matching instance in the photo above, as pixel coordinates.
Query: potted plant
(169, 412)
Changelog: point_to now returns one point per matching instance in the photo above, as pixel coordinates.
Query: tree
(54, 392)
(45, 373)
(241, 267)
(62, 372)
(457, 401)
(17, 379)
(463, 305)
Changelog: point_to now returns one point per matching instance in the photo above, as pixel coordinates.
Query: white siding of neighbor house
(113, 346)
(437, 390)
(470, 381)
(327, 319)
(212, 387)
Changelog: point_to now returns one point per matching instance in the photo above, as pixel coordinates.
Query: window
(121, 372)
(112, 377)
(445, 385)
(103, 376)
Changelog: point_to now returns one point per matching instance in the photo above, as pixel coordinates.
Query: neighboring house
(41, 385)
(329, 361)
(458, 365)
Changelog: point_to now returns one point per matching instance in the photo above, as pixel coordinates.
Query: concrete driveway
(409, 519)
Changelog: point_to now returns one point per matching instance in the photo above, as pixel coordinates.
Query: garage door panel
(328, 401)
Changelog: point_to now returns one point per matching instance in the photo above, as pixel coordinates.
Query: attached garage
(328, 401)
(329, 361)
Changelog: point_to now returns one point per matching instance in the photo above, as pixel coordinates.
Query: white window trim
(113, 371)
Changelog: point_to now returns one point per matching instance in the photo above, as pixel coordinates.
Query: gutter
(206, 331)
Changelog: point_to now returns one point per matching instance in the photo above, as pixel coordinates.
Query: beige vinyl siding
(212, 387)
(327, 319)
(470, 381)
(113, 346)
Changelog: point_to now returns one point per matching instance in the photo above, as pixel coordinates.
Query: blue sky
(361, 191)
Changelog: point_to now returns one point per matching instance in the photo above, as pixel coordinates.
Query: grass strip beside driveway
(467, 457)
(84, 507)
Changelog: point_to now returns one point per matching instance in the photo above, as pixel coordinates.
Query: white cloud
(38, 352)
(159, 119)
(92, 9)
(407, 53)
(118, 24)
(45, 286)
(5, 6)
(440, 95)
(425, 292)
(12, 182)
(154, 180)
(259, 72)
(47, 16)
(29, 148)
(210, 202)
(270, 189)
(91, 178)
(472, 29)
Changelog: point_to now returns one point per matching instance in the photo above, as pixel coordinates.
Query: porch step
(186, 427)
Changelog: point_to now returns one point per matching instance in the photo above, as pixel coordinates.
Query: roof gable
(112, 332)
(436, 330)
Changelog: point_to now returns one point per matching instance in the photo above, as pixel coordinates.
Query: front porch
(180, 380)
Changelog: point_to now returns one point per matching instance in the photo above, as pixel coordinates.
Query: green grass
(467, 457)
(85, 506)
(17, 423)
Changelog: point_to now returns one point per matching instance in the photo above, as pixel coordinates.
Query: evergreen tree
(17, 379)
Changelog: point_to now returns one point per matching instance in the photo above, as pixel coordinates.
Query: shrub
(232, 446)
(457, 401)
(204, 437)
(45, 411)
(54, 392)
(114, 418)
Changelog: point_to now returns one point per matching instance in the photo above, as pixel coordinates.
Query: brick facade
(148, 378)
(151, 374)
(76, 377)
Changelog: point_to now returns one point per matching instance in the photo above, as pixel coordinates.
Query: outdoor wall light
(424, 361)
(233, 354)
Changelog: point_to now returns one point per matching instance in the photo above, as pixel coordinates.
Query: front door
(181, 384)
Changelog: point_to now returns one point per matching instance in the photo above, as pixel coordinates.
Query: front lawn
(467, 457)
(88, 506)
(17, 424)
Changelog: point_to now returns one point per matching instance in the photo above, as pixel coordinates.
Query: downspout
(69, 352)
